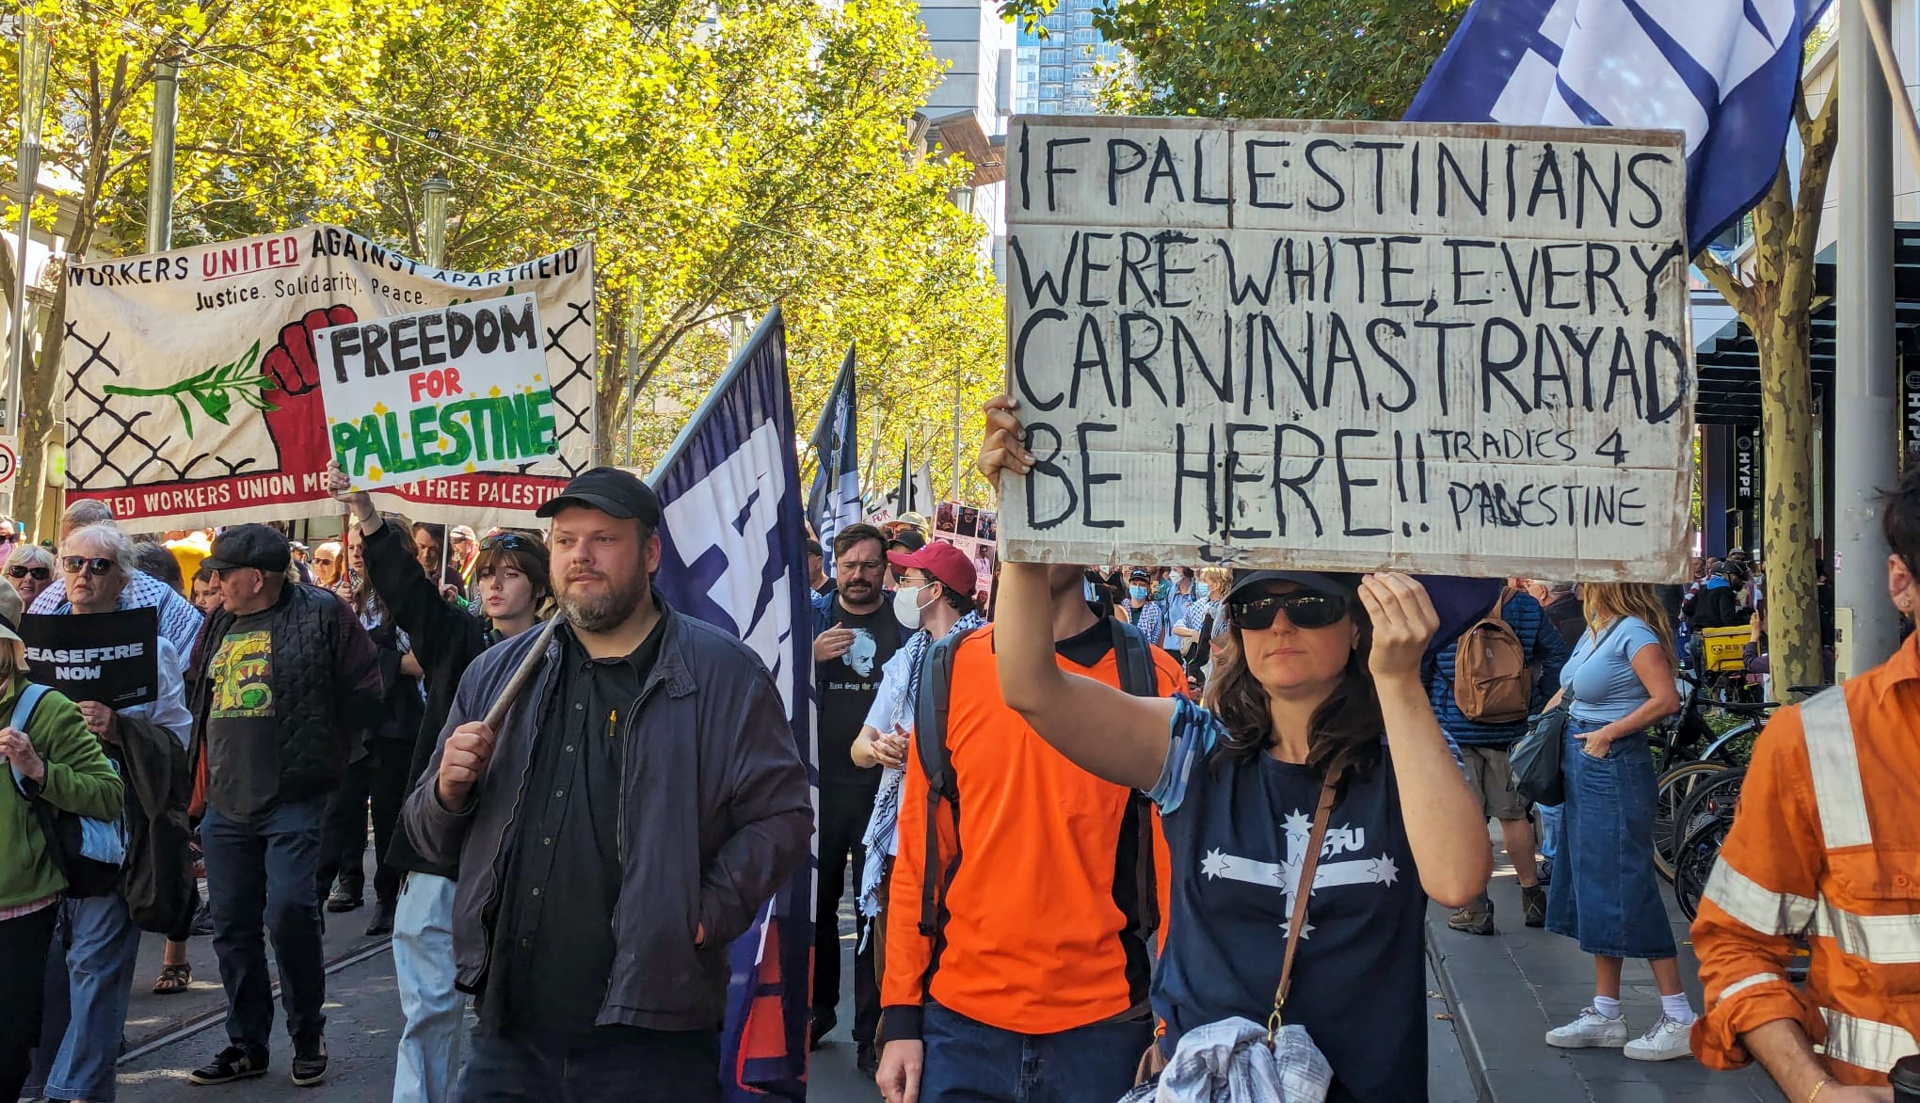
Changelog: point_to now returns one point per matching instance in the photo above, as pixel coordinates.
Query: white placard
(451, 391)
(1350, 346)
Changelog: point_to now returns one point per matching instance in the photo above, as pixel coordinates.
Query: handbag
(1284, 1066)
(1535, 759)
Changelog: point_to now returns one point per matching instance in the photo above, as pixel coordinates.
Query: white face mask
(907, 607)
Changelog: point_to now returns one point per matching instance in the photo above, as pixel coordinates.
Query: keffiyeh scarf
(883, 827)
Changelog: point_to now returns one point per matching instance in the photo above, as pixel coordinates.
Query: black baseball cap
(259, 546)
(908, 539)
(1333, 585)
(610, 490)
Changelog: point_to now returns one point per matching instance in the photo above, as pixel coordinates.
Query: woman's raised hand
(1403, 623)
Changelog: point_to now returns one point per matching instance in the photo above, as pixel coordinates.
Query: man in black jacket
(640, 803)
(284, 677)
(510, 581)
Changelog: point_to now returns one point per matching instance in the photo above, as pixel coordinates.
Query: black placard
(112, 658)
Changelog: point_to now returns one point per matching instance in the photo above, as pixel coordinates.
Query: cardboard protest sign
(1350, 346)
(112, 658)
(196, 389)
(439, 393)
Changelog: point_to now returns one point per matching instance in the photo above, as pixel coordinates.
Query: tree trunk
(38, 388)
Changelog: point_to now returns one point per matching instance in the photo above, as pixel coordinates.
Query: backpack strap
(930, 744)
(23, 707)
(1131, 651)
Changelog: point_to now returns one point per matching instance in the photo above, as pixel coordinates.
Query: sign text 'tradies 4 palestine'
(1446, 349)
(437, 393)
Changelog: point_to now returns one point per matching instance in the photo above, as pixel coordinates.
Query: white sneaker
(1666, 1041)
(1590, 1030)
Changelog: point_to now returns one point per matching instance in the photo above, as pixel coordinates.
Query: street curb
(1463, 1027)
(1499, 1039)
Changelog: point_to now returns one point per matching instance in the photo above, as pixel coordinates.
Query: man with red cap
(1024, 903)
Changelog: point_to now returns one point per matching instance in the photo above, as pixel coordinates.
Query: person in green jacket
(58, 760)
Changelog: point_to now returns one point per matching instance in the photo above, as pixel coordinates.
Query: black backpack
(1138, 677)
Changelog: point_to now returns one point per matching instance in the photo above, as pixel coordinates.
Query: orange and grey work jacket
(1826, 845)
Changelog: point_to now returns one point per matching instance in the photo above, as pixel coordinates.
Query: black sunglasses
(95, 566)
(1304, 609)
(511, 541)
(38, 574)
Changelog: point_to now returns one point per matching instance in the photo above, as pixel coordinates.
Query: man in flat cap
(639, 804)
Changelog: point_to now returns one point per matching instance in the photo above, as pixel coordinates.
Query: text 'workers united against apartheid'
(1350, 345)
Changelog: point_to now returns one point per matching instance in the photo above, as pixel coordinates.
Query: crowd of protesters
(1076, 827)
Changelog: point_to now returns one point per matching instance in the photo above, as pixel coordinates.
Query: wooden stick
(497, 713)
(1896, 84)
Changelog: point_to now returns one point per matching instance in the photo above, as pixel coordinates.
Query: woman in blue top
(1605, 893)
(1319, 668)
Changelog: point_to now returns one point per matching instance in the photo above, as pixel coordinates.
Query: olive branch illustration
(213, 390)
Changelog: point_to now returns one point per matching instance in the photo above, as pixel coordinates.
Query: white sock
(1677, 1008)
(1607, 1006)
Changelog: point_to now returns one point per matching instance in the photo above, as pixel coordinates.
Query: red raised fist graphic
(299, 425)
(291, 362)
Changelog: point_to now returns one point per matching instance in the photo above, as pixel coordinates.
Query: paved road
(364, 1020)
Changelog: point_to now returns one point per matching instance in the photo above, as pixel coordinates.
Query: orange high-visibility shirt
(1826, 843)
(1032, 936)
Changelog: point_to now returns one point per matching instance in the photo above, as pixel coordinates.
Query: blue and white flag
(834, 502)
(733, 553)
(1723, 71)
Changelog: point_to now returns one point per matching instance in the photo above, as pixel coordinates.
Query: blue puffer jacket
(1546, 653)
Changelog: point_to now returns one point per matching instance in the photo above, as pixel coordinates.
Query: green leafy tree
(725, 157)
(1256, 59)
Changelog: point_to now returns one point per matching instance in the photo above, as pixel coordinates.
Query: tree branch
(1816, 167)
(1738, 295)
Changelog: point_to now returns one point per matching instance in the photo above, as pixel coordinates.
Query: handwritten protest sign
(1350, 346)
(438, 393)
(112, 658)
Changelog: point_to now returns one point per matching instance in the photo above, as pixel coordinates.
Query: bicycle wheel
(1676, 786)
(1713, 797)
(1694, 862)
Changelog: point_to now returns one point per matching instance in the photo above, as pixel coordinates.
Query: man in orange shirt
(1826, 845)
(1035, 967)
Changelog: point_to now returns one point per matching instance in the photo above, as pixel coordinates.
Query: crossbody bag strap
(1298, 923)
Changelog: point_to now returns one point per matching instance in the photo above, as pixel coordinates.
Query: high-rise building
(967, 113)
(1060, 73)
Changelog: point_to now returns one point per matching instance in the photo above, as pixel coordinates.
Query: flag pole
(1896, 85)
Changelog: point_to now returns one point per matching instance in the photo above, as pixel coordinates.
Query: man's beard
(603, 612)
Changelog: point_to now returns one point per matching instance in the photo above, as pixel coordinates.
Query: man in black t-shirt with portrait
(854, 633)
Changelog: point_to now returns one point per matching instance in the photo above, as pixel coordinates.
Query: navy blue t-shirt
(1237, 831)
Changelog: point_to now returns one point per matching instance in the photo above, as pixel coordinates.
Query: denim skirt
(1605, 892)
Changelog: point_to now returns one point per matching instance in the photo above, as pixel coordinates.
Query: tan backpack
(1492, 682)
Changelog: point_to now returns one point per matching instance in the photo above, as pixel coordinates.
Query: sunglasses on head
(1304, 609)
(511, 541)
(38, 574)
(95, 566)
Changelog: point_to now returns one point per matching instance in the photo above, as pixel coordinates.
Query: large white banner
(1350, 346)
(195, 392)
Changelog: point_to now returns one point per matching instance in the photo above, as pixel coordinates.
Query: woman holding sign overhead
(1319, 728)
